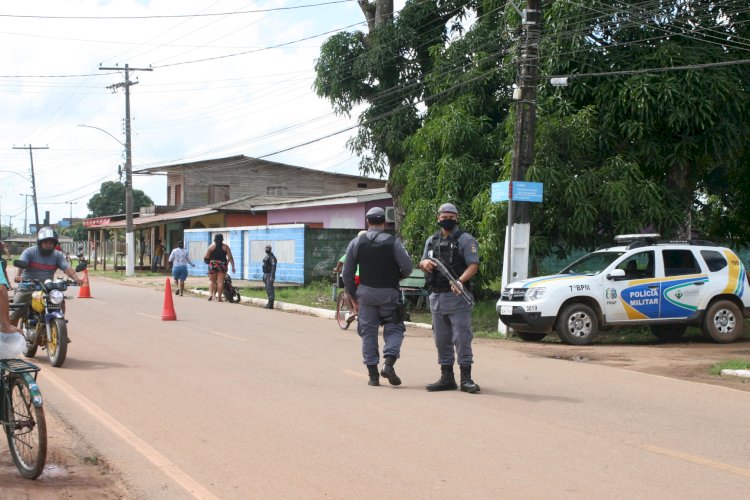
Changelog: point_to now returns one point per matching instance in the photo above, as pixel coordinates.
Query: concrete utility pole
(519, 217)
(129, 237)
(33, 183)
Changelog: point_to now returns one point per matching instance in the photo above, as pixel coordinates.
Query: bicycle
(345, 313)
(22, 416)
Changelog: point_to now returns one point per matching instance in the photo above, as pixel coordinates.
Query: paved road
(240, 402)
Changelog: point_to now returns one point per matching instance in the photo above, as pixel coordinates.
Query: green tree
(384, 69)
(619, 150)
(8, 232)
(76, 231)
(110, 200)
(683, 130)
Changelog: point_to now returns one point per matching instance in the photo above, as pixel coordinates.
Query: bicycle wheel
(343, 310)
(27, 429)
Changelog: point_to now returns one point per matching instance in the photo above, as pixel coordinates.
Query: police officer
(383, 262)
(269, 276)
(451, 313)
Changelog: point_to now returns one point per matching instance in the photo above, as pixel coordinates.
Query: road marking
(228, 336)
(152, 455)
(697, 460)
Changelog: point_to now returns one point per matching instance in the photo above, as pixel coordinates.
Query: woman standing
(217, 256)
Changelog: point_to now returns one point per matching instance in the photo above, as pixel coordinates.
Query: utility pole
(33, 182)
(519, 217)
(70, 219)
(129, 237)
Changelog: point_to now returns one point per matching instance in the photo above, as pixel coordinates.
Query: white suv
(639, 280)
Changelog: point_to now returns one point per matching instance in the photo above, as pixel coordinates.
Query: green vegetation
(730, 364)
(619, 150)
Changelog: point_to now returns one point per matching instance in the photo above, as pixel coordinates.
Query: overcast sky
(239, 82)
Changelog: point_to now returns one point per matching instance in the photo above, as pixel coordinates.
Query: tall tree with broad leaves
(670, 127)
(110, 200)
(385, 70)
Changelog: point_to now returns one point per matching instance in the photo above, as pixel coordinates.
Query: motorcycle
(43, 320)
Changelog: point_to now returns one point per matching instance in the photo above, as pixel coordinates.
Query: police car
(639, 280)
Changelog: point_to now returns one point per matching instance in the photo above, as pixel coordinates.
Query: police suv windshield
(592, 264)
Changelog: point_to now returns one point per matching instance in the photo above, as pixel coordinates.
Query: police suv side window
(639, 265)
(679, 262)
(714, 260)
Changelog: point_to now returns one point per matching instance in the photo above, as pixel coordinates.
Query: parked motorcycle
(43, 320)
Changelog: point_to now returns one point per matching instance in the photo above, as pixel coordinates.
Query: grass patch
(730, 364)
(316, 294)
(91, 460)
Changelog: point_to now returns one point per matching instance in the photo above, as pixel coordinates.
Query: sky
(228, 77)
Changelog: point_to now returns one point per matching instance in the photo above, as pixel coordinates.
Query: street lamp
(129, 237)
(25, 208)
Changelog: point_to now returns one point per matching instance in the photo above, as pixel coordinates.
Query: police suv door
(684, 283)
(635, 296)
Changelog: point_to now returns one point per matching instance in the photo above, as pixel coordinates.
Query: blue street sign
(500, 191)
(520, 191)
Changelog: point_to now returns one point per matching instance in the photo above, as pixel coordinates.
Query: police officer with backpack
(383, 262)
(451, 313)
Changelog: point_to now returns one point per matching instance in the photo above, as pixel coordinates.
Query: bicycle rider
(339, 267)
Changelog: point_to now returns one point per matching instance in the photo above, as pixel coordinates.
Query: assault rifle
(453, 280)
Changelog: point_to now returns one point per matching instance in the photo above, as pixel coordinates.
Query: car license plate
(506, 310)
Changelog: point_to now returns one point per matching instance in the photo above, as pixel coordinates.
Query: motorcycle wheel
(30, 350)
(27, 432)
(57, 345)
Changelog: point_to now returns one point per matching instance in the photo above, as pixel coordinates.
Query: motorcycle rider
(43, 261)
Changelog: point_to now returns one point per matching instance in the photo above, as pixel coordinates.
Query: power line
(175, 16)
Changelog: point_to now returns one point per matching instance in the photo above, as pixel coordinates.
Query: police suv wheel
(577, 324)
(723, 322)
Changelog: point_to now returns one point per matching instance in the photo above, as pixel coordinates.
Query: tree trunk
(678, 181)
(376, 12)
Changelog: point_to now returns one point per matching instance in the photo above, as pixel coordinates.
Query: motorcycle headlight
(535, 293)
(56, 297)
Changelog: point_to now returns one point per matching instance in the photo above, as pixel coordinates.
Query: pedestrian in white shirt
(179, 259)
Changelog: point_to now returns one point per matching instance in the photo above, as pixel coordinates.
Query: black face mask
(268, 251)
(447, 224)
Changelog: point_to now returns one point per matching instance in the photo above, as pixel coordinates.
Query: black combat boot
(467, 385)
(389, 372)
(269, 305)
(447, 380)
(372, 370)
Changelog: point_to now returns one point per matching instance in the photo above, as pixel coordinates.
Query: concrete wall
(303, 254)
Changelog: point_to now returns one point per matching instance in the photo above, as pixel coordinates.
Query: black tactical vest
(445, 250)
(378, 267)
(268, 263)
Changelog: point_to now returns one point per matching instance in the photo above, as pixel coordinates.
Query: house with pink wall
(335, 211)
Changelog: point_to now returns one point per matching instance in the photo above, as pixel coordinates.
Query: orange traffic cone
(84, 292)
(168, 314)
